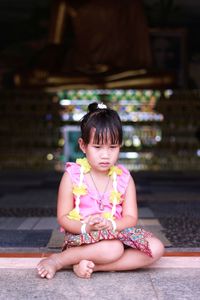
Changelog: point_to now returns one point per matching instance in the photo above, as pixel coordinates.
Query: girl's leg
(134, 259)
(99, 253)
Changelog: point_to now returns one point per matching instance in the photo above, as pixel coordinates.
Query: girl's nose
(105, 153)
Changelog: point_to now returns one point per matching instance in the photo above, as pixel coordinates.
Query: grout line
(153, 287)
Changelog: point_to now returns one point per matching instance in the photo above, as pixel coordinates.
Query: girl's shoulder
(125, 171)
(72, 166)
(73, 169)
(123, 178)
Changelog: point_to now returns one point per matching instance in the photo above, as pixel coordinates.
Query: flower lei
(80, 190)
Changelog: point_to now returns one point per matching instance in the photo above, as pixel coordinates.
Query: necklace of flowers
(81, 190)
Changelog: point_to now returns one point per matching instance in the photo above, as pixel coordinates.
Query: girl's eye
(113, 146)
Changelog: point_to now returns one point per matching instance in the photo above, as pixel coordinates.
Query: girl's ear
(81, 144)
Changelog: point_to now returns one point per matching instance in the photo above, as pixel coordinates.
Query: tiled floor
(31, 223)
(146, 217)
(147, 221)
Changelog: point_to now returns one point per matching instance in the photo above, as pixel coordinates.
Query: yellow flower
(116, 170)
(79, 190)
(83, 162)
(107, 215)
(115, 197)
(74, 215)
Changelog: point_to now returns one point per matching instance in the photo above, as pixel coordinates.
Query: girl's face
(100, 156)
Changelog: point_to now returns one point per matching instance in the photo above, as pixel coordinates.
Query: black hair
(105, 120)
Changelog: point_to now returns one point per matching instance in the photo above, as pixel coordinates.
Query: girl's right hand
(97, 222)
(92, 222)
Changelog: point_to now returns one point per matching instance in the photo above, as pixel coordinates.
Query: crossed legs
(102, 256)
(134, 259)
(99, 253)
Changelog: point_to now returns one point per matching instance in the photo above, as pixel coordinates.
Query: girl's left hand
(101, 223)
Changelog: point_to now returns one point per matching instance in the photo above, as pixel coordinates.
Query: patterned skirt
(132, 237)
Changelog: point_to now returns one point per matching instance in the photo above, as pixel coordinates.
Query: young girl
(97, 206)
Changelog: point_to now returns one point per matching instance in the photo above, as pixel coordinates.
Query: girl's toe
(89, 271)
(90, 264)
(87, 276)
(40, 271)
(49, 276)
(39, 267)
(43, 273)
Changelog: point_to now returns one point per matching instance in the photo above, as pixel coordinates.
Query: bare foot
(48, 266)
(84, 269)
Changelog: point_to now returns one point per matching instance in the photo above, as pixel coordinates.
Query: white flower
(101, 106)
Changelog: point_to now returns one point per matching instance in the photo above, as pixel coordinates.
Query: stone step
(24, 262)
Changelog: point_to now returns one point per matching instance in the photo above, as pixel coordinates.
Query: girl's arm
(129, 208)
(65, 205)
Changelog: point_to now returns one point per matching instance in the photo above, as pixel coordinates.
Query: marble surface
(177, 284)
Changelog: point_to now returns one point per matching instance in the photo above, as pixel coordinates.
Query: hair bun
(92, 106)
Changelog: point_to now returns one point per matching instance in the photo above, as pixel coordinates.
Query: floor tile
(29, 223)
(176, 262)
(11, 223)
(176, 284)
(65, 285)
(57, 240)
(147, 222)
(145, 212)
(46, 223)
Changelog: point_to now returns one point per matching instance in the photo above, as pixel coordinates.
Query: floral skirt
(132, 237)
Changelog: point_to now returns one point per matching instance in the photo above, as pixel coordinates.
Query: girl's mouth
(105, 164)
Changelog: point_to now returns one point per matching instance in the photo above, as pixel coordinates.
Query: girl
(97, 206)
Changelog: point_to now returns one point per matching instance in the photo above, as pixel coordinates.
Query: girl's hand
(104, 224)
(93, 219)
(97, 222)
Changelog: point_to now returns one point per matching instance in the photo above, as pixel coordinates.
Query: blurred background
(142, 58)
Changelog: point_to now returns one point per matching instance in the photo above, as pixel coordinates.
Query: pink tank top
(89, 202)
